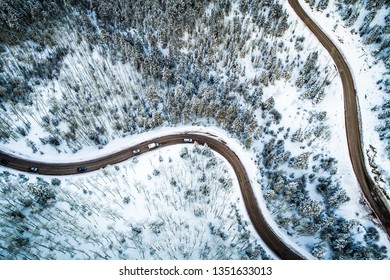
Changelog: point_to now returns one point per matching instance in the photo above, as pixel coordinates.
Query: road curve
(258, 220)
(352, 123)
(273, 241)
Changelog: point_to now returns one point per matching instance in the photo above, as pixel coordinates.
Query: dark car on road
(4, 161)
(33, 169)
(81, 169)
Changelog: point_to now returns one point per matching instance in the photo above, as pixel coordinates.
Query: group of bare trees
(117, 213)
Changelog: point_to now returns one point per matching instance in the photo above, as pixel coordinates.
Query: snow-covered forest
(77, 74)
(178, 203)
(142, 68)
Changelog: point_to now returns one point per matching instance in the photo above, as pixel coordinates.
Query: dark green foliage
(344, 246)
(372, 235)
(182, 86)
(55, 182)
(274, 154)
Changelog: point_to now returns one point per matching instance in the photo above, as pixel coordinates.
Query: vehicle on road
(33, 169)
(81, 169)
(4, 161)
(136, 151)
(188, 140)
(152, 145)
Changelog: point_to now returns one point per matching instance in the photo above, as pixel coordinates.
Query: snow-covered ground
(320, 122)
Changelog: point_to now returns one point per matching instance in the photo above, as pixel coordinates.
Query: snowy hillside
(77, 78)
(362, 31)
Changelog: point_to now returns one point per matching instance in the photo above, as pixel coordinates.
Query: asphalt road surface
(273, 241)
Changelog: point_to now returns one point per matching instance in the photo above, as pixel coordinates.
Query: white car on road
(152, 145)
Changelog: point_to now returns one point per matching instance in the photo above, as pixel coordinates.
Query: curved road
(274, 242)
(264, 230)
(352, 123)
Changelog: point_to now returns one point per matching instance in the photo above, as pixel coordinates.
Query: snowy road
(259, 222)
(274, 242)
(353, 130)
